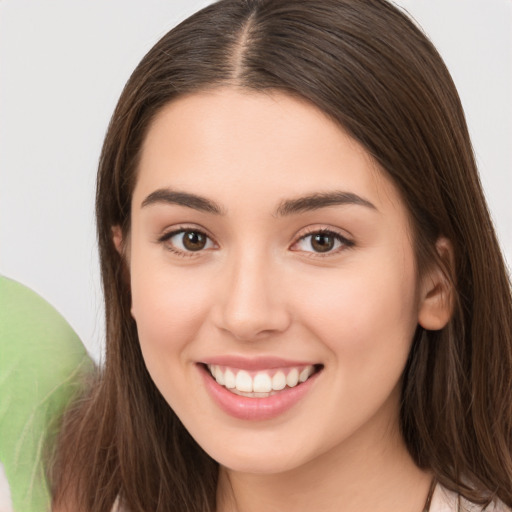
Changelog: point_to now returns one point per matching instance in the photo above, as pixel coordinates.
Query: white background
(62, 67)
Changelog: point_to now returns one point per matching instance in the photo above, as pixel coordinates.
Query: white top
(444, 500)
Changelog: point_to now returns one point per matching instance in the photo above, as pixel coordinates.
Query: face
(273, 280)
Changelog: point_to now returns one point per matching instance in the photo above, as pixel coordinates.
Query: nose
(252, 304)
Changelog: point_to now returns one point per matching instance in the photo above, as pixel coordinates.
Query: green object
(42, 362)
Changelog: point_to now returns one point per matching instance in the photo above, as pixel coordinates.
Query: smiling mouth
(263, 383)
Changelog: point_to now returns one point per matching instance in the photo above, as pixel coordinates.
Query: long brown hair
(366, 65)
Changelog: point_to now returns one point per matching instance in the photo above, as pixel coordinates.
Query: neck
(352, 477)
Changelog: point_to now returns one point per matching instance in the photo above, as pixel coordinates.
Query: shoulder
(444, 500)
(117, 506)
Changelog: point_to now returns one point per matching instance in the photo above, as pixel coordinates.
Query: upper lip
(254, 363)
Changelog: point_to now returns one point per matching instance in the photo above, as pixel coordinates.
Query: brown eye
(194, 241)
(323, 242)
(186, 241)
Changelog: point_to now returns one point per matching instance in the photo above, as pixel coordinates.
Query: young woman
(307, 307)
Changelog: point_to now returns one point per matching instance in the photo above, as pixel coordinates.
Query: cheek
(365, 311)
(169, 308)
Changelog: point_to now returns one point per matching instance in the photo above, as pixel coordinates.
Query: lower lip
(255, 409)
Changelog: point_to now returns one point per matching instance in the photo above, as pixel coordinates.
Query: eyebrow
(321, 200)
(168, 196)
(302, 204)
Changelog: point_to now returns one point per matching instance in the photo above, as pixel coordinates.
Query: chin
(257, 464)
(258, 452)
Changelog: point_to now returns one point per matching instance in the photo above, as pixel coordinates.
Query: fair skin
(228, 268)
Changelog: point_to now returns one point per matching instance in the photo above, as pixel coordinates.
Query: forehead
(244, 146)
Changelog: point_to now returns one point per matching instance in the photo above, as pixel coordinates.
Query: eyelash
(344, 243)
(166, 237)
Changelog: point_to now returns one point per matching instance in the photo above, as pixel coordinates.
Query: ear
(122, 249)
(436, 290)
(117, 238)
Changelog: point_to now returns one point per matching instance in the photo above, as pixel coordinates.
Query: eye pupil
(322, 242)
(194, 241)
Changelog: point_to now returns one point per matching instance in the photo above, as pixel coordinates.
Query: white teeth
(219, 376)
(292, 378)
(261, 382)
(229, 379)
(243, 381)
(278, 381)
(304, 374)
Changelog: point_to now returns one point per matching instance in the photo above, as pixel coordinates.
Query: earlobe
(436, 290)
(121, 248)
(117, 238)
